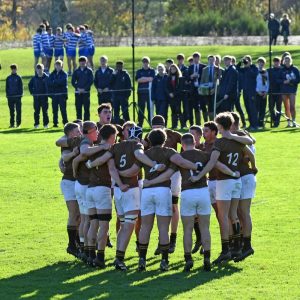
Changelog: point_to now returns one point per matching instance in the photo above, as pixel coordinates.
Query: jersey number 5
(233, 158)
(123, 161)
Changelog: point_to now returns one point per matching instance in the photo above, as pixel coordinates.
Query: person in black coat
(158, 92)
(228, 87)
(38, 87)
(14, 92)
(58, 86)
(120, 80)
(82, 80)
(174, 88)
(102, 81)
(274, 29)
(194, 75)
(275, 99)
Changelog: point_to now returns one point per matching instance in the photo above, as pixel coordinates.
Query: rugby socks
(100, 255)
(86, 250)
(120, 255)
(72, 233)
(225, 246)
(206, 254)
(173, 237)
(175, 199)
(81, 244)
(197, 231)
(187, 256)
(247, 242)
(236, 235)
(165, 251)
(143, 248)
(92, 251)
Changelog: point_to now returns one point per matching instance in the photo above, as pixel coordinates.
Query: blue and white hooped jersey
(90, 39)
(36, 42)
(45, 40)
(82, 43)
(72, 44)
(51, 40)
(59, 41)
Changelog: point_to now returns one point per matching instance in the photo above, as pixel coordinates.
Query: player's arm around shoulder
(115, 175)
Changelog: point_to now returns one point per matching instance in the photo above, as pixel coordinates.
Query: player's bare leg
(286, 102)
(246, 222)
(197, 244)
(72, 227)
(92, 235)
(144, 237)
(236, 227)
(223, 213)
(164, 242)
(204, 221)
(188, 226)
(124, 236)
(292, 109)
(74, 63)
(86, 226)
(104, 217)
(69, 60)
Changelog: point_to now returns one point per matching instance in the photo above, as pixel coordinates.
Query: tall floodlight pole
(133, 57)
(270, 37)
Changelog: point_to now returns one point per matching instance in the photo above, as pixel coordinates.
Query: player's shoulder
(173, 133)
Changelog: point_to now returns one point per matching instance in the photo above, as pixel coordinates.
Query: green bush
(235, 22)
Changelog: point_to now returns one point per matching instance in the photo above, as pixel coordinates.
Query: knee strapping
(131, 219)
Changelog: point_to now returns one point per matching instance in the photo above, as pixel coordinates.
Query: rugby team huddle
(146, 176)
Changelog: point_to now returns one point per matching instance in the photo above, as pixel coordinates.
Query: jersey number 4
(123, 161)
(233, 158)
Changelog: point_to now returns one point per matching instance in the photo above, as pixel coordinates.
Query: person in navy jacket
(120, 80)
(102, 81)
(14, 92)
(38, 87)
(275, 99)
(194, 75)
(158, 92)
(228, 86)
(289, 80)
(82, 80)
(249, 72)
(144, 76)
(58, 86)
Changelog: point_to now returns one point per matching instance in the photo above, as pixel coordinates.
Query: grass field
(34, 264)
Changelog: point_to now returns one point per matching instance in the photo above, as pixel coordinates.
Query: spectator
(249, 72)
(262, 88)
(144, 77)
(159, 93)
(168, 64)
(58, 86)
(38, 87)
(273, 26)
(284, 54)
(275, 99)
(289, 79)
(14, 93)
(194, 72)
(228, 87)
(174, 88)
(102, 81)
(208, 83)
(285, 23)
(37, 46)
(186, 88)
(120, 80)
(82, 80)
(237, 103)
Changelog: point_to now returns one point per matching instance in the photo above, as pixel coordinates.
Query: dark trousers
(225, 105)
(175, 105)
(15, 105)
(104, 98)
(251, 108)
(123, 102)
(143, 100)
(275, 101)
(273, 39)
(204, 106)
(185, 105)
(82, 100)
(59, 102)
(239, 109)
(161, 107)
(194, 106)
(38, 104)
(261, 104)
